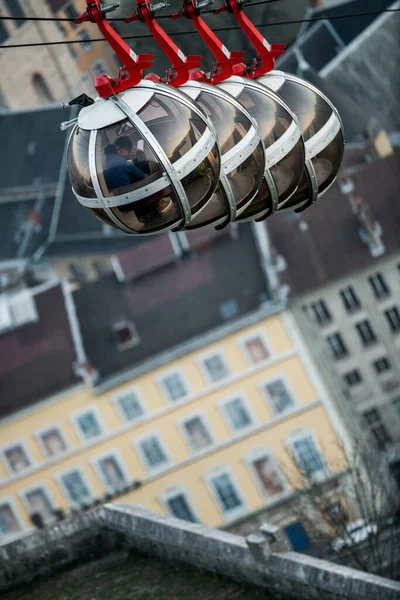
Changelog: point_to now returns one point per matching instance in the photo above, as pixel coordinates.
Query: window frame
(199, 414)
(304, 433)
(247, 356)
(258, 454)
(164, 390)
(17, 442)
(359, 327)
(98, 60)
(346, 352)
(222, 405)
(377, 360)
(4, 537)
(116, 455)
(92, 408)
(64, 489)
(396, 328)
(235, 512)
(172, 491)
(40, 485)
(40, 432)
(348, 373)
(150, 469)
(88, 41)
(352, 307)
(116, 400)
(204, 371)
(128, 324)
(382, 283)
(265, 395)
(327, 318)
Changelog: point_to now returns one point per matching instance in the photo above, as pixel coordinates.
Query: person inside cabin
(119, 172)
(129, 152)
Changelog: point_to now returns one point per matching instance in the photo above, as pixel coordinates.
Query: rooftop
(325, 243)
(37, 350)
(152, 309)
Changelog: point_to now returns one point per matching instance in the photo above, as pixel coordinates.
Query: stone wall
(286, 575)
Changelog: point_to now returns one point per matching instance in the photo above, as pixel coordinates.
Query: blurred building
(43, 75)
(200, 398)
(341, 261)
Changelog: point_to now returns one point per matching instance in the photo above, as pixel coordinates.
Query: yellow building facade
(209, 437)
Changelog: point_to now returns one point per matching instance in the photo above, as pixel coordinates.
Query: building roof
(37, 356)
(345, 59)
(34, 179)
(324, 243)
(169, 306)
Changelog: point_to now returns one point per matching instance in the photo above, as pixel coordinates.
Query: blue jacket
(118, 172)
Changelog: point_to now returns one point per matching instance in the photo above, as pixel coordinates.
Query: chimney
(370, 230)
(35, 219)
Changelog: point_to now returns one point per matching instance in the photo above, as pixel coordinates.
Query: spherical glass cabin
(322, 132)
(242, 154)
(284, 145)
(144, 161)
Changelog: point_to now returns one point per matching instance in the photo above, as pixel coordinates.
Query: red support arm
(183, 67)
(228, 63)
(266, 53)
(133, 64)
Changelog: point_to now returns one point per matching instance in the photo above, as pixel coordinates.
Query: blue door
(298, 537)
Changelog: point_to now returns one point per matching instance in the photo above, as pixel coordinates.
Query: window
(237, 414)
(88, 425)
(16, 458)
(126, 335)
(366, 333)
(111, 472)
(278, 396)
(78, 272)
(350, 299)
(3, 33)
(215, 368)
(393, 318)
(84, 37)
(71, 11)
(38, 502)
(41, 88)
(130, 406)
(307, 456)
(268, 475)
(382, 364)
(9, 523)
(61, 29)
(353, 377)
(174, 386)
(321, 312)
(99, 67)
(378, 285)
(379, 432)
(256, 349)
(14, 9)
(53, 442)
(337, 346)
(180, 508)
(152, 452)
(226, 493)
(77, 491)
(228, 309)
(196, 433)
